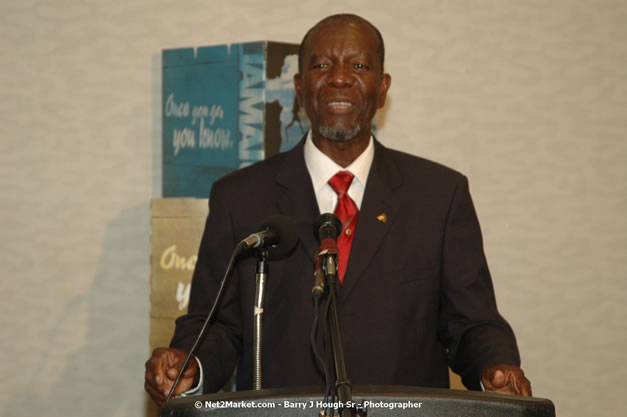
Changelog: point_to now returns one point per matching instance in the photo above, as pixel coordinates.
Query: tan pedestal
(176, 229)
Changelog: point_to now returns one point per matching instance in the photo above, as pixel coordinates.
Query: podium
(376, 400)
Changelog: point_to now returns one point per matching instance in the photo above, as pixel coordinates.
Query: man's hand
(161, 371)
(506, 379)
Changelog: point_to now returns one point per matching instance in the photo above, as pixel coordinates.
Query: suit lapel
(298, 200)
(378, 201)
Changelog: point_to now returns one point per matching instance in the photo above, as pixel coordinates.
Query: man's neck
(342, 153)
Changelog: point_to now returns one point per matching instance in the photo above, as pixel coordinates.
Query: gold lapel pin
(382, 217)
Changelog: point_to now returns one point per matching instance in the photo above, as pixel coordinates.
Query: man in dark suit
(416, 293)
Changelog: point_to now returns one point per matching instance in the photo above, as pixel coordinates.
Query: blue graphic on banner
(294, 123)
(214, 114)
(199, 123)
(251, 105)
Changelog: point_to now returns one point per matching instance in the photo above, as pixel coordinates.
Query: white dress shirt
(322, 168)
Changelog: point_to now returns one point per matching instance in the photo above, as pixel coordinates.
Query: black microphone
(277, 234)
(327, 228)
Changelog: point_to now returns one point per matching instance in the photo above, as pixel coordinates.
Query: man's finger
(525, 387)
(156, 364)
(155, 394)
(151, 379)
(173, 372)
(498, 379)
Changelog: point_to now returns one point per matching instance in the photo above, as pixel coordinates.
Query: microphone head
(286, 237)
(327, 225)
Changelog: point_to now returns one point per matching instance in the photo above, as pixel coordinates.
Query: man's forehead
(327, 31)
(339, 25)
(352, 26)
(325, 28)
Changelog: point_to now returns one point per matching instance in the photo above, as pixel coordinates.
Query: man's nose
(341, 76)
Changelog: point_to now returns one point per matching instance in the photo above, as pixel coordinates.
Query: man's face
(342, 83)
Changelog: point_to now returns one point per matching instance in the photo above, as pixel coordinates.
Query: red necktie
(348, 213)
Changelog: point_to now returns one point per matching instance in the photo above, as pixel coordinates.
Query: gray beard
(339, 133)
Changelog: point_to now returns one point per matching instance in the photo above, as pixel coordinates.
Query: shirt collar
(321, 168)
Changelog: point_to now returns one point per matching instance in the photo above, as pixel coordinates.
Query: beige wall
(528, 98)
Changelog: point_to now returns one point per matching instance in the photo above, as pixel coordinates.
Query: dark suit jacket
(417, 295)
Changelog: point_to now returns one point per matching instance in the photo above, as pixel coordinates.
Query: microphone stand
(342, 383)
(261, 275)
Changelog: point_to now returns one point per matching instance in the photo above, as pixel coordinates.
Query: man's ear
(386, 82)
(298, 84)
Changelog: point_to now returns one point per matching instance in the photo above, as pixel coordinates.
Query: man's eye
(360, 66)
(321, 66)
